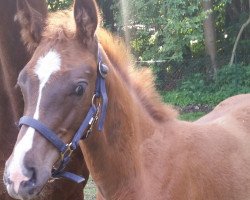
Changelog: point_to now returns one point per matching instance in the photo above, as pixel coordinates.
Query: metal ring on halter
(94, 98)
(103, 69)
(67, 153)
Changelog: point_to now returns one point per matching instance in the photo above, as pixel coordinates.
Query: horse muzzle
(24, 187)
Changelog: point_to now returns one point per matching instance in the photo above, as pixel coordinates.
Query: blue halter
(97, 112)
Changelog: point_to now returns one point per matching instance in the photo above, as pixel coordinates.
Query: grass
(90, 190)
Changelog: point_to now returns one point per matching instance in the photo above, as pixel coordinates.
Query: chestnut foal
(13, 56)
(74, 86)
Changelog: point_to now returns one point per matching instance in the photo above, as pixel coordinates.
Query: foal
(143, 151)
(13, 56)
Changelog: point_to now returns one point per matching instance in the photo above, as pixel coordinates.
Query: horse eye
(79, 90)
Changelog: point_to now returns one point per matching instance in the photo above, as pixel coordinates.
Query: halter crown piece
(96, 113)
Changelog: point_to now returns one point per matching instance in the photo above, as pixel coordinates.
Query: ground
(90, 190)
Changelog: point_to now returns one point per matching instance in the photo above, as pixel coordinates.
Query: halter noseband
(97, 112)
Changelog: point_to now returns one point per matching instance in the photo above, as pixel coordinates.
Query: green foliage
(167, 27)
(55, 5)
(172, 31)
(235, 77)
(197, 90)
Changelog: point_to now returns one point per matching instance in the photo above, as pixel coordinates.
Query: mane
(140, 79)
(61, 25)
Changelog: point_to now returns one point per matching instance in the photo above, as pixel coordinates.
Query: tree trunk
(209, 34)
(125, 19)
(238, 39)
(108, 13)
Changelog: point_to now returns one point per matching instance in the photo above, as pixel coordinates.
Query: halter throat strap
(96, 113)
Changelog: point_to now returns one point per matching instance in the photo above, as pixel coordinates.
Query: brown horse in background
(144, 151)
(13, 56)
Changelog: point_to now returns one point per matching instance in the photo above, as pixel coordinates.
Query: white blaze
(45, 67)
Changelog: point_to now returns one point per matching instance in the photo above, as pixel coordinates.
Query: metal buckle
(95, 118)
(67, 153)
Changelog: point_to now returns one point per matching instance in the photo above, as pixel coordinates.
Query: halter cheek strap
(97, 112)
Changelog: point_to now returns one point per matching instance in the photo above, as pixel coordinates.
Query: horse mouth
(32, 193)
(27, 189)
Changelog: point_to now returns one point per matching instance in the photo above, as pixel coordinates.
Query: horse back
(237, 108)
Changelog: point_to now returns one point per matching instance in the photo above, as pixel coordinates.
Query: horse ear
(31, 17)
(86, 18)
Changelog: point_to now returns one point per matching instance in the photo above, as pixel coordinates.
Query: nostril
(32, 173)
(7, 180)
(31, 183)
(29, 186)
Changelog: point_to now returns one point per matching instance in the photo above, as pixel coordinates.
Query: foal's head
(57, 85)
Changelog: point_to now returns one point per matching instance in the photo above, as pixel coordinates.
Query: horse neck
(113, 156)
(12, 61)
